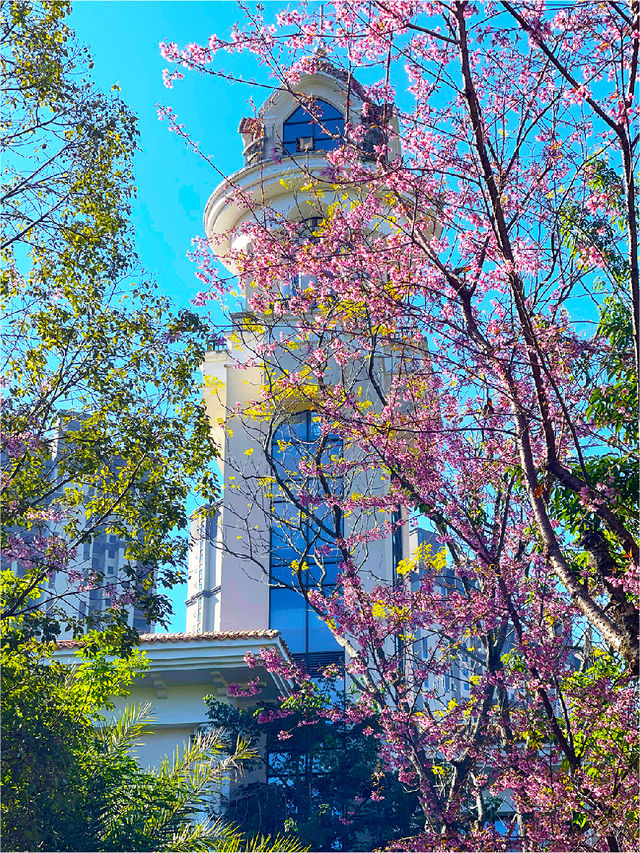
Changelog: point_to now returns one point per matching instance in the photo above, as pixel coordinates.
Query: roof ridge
(168, 637)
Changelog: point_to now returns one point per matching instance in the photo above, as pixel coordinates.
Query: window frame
(325, 129)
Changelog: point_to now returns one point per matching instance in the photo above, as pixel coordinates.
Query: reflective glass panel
(298, 536)
(320, 637)
(289, 615)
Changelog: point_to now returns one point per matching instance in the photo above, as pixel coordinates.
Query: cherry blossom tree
(468, 329)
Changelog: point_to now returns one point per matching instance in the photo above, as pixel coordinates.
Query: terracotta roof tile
(258, 634)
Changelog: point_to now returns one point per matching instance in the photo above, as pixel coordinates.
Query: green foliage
(102, 427)
(614, 402)
(614, 398)
(67, 166)
(603, 742)
(619, 473)
(158, 809)
(605, 232)
(48, 739)
(612, 408)
(69, 778)
(319, 786)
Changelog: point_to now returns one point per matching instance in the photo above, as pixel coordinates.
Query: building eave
(201, 653)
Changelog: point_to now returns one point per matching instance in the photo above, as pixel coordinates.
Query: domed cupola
(309, 116)
(287, 141)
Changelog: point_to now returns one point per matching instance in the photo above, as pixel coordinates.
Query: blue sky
(173, 183)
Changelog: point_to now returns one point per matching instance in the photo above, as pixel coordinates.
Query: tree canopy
(102, 430)
(464, 319)
(70, 778)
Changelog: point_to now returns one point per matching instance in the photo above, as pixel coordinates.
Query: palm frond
(195, 773)
(168, 803)
(204, 764)
(206, 836)
(126, 731)
(222, 837)
(260, 844)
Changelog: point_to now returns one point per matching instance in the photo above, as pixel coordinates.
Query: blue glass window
(298, 534)
(289, 615)
(303, 548)
(317, 128)
(396, 540)
(319, 637)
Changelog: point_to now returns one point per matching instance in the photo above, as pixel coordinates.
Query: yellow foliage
(440, 560)
(406, 566)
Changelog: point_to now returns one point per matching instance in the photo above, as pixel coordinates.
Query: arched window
(303, 552)
(315, 128)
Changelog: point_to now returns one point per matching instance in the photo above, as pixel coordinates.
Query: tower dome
(286, 144)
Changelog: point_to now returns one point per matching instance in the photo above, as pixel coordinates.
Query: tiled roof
(258, 634)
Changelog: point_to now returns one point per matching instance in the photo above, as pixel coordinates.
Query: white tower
(258, 536)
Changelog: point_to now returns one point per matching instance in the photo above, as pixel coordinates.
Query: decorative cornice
(209, 655)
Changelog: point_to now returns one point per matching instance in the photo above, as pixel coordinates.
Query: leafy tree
(67, 147)
(49, 742)
(442, 335)
(102, 432)
(325, 781)
(69, 779)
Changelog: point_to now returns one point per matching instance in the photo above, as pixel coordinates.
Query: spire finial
(320, 49)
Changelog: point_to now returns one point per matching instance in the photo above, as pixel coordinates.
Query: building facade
(184, 669)
(255, 566)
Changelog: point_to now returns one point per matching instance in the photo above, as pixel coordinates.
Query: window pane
(282, 571)
(297, 116)
(320, 111)
(287, 529)
(333, 126)
(320, 121)
(323, 570)
(324, 143)
(286, 453)
(320, 637)
(288, 615)
(291, 132)
(329, 112)
(326, 555)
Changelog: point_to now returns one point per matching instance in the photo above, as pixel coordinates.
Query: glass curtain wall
(303, 552)
(304, 556)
